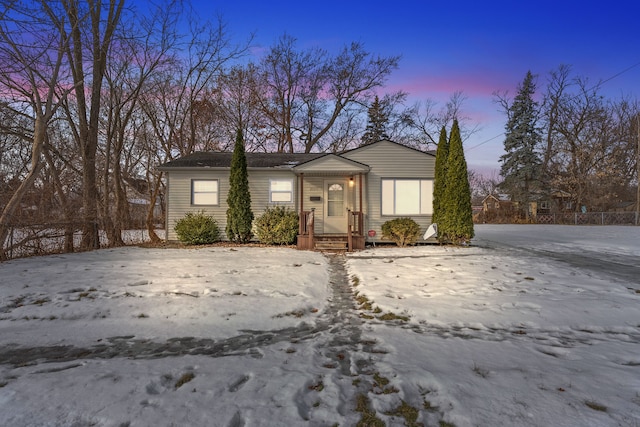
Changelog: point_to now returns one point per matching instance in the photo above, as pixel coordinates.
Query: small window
(407, 197)
(335, 200)
(204, 191)
(281, 190)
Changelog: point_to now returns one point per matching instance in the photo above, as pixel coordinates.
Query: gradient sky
(477, 47)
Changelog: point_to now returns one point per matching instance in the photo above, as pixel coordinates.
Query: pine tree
(521, 163)
(376, 123)
(440, 180)
(239, 214)
(457, 216)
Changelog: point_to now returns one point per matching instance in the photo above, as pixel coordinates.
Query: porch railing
(356, 222)
(355, 235)
(355, 230)
(306, 233)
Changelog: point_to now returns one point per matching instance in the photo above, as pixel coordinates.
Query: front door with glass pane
(335, 206)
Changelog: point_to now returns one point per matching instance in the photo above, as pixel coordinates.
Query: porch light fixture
(351, 181)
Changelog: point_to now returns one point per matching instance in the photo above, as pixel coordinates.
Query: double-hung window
(204, 192)
(281, 190)
(407, 196)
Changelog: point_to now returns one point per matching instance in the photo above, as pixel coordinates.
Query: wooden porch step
(331, 245)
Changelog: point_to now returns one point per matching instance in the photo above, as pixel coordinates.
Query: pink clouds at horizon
(442, 86)
(479, 104)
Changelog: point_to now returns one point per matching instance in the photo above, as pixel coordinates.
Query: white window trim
(425, 200)
(216, 193)
(272, 192)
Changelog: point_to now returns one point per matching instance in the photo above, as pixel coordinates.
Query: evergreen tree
(521, 163)
(377, 121)
(457, 216)
(239, 214)
(440, 180)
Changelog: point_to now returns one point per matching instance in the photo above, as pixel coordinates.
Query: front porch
(331, 205)
(352, 240)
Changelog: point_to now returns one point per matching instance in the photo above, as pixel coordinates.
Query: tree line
(95, 94)
(568, 137)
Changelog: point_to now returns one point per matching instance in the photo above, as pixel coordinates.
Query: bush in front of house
(402, 231)
(278, 225)
(197, 228)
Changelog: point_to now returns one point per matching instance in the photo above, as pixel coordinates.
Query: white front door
(335, 206)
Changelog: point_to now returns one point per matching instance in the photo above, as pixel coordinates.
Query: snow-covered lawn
(494, 337)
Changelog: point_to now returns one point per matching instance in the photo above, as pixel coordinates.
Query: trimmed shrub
(278, 225)
(403, 231)
(197, 229)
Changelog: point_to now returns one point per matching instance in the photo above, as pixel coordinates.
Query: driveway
(591, 248)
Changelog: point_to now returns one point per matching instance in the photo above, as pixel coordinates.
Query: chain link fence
(25, 240)
(590, 218)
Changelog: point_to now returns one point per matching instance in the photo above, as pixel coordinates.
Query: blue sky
(470, 46)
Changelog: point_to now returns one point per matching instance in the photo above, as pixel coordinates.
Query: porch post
(360, 191)
(300, 214)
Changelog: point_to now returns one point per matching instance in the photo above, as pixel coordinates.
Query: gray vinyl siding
(314, 187)
(389, 160)
(179, 197)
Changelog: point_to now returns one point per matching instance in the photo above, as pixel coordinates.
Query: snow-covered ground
(162, 337)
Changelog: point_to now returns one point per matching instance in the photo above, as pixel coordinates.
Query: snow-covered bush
(197, 228)
(402, 231)
(278, 225)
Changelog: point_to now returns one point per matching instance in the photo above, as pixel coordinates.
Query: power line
(616, 75)
(594, 87)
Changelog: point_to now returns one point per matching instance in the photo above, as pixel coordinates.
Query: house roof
(332, 163)
(497, 197)
(387, 141)
(254, 160)
(217, 159)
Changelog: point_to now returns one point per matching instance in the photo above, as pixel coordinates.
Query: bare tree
(423, 121)
(285, 71)
(352, 77)
(32, 57)
(308, 92)
(177, 102)
(64, 169)
(483, 185)
(589, 148)
(141, 49)
(91, 29)
(236, 106)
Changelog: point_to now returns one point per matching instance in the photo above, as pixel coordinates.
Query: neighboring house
(494, 203)
(342, 199)
(500, 205)
(625, 207)
(557, 201)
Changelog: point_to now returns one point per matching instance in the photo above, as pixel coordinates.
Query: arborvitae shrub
(197, 228)
(456, 221)
(277, 226)
(402, 231)
(239, 214)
